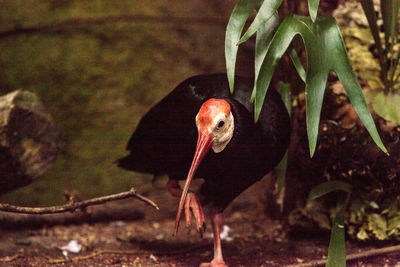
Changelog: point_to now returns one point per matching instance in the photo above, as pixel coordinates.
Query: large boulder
(28, 140)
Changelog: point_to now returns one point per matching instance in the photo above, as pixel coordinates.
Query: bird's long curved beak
(204, 143)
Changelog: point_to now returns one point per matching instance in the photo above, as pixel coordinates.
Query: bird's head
(215, 125)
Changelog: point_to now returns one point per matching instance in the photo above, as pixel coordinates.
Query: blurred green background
(97, 80)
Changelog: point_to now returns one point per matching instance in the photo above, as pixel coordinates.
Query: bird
(201, 130)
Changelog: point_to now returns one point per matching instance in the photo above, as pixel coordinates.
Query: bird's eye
(220, 124)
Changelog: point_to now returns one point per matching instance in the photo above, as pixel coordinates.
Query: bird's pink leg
(218, 260)
(192, 205)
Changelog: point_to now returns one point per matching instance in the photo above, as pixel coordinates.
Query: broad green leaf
(263, 39)
(279, 44)
(266, 11)
(342, 66)
(240, 13)
(313, 9)
(325, 52)
(284, 90)
(337, 243)
(327, 187)
(387, 106)
(297, 64)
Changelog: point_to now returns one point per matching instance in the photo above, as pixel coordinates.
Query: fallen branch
(57, 25)
(353, 256)
(10, 258)
(95, 214)
(77, 205)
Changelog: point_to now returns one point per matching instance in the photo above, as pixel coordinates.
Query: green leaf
(313, 9)
(266, 11)
(279, 44)
(342, 67)
(327, 187)
(238, 18)
(297, 64)
(281, 174)
(284, 90)
(387, 106)
(263, 39)
(325, 52)
(337, 243)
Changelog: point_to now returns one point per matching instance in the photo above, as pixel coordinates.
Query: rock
(29, 140)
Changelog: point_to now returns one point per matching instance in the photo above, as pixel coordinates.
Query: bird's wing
(165, 137)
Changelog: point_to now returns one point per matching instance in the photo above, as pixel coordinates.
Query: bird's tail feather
(125, 162)
(137, 162)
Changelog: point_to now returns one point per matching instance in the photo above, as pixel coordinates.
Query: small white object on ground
(152, 257)
(73, 247)
(224, 234)
(118, 223)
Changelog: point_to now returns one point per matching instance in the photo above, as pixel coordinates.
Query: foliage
(325, 52)
(284, 90)
(337, 244)
(368, 221)
(327, 187)
(387, 101)
(264, 24)
(377, 62)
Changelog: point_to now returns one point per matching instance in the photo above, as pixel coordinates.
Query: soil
(257, 240)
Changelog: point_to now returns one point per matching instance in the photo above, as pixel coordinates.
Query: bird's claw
(193, 206)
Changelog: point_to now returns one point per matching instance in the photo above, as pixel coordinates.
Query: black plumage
(165, 139)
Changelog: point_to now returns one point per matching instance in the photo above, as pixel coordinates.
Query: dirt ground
(256, 241)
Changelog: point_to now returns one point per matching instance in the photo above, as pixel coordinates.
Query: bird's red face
(211, 109)
(215, 127)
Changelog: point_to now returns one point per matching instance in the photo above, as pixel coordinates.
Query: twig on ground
(10, 258)
(77, 205)
(353, 256)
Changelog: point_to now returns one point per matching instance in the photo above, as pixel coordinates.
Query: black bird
(200, 117)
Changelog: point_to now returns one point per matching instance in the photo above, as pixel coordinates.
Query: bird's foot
(214, 263)
(193, 206)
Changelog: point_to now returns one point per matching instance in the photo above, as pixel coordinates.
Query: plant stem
(369, 11)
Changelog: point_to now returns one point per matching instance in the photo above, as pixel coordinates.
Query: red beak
(204, 143)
